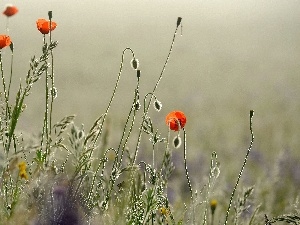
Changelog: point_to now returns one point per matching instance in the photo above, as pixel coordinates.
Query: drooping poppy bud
(177, 141)
(157, 105)
(135, 63)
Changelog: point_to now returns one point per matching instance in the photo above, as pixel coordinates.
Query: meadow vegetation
(71, 174)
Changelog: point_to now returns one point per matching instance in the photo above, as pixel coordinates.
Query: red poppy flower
(10, 10)
(174, 119)
(44, 26)
(4, 41)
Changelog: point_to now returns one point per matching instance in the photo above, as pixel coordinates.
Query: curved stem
(154, 89)
(242, 169)
(114, 92)
(145, 99)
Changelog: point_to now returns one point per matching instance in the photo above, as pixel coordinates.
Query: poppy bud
(177, 142)
(137, 105)
(179, 21)
(54, 92)
(251, 113)
(50, 15)
(11, 46)
(134, 63)
(157, 105)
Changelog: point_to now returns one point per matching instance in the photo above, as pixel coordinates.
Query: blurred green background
(233, 56)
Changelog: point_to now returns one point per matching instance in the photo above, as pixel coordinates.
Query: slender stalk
(212, 167)
(132, 109)
(118, 162)
(11, 69)
(52, 76)
(185, 164)
(114, 92)
(108, 107)
(45, 130)
(7, 25)
(6, 100)
(187, 173)
(212, 219)
(242, 169)
(155, 87)
(3, 82)
(167, 150)
(153, 156)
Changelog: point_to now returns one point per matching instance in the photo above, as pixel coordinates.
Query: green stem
(113, 95)
(6, 100)
(213, 161)
(11, 72)
(4, 85)
(242, 169)
(154, 89)
(46, 125)
(52, 80)
(7, 25)
(187, 173)
(136, 93)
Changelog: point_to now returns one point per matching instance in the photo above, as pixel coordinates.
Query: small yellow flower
(23, 174)
(22, 170)
(163, 211)
(22, 166)
(213, 205)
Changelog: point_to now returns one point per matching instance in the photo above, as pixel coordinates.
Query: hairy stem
(242, 169)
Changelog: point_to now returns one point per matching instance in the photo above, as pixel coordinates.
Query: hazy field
(233, 56)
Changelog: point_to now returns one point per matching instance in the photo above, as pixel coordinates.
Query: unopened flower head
(137, 105)
(177, 141)
(53, 92)
(157, 105)
(135, 63)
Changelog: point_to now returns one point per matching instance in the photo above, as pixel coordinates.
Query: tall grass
(69, 175)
